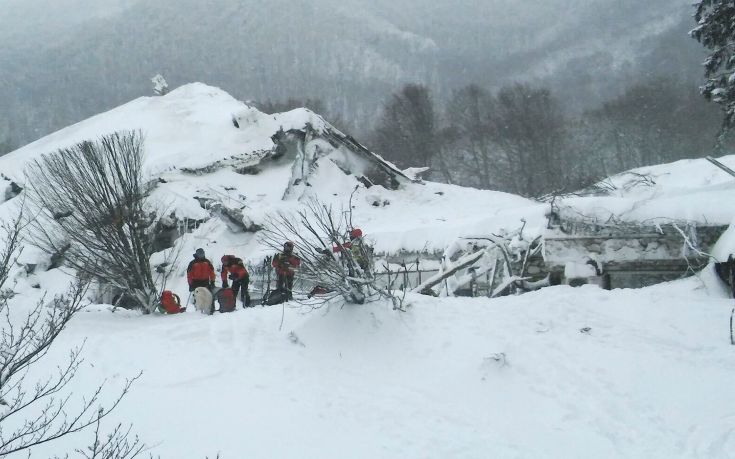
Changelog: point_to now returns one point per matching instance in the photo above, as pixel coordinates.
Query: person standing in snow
(200, 272)
(234, 269)
(285, 264)
(357, 247)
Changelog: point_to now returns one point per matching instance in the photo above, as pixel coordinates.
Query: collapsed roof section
(306, 146)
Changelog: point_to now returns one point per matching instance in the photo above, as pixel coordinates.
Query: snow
(561, 372)
(578, 270)
(509, 377)
(189, 128)
(691, 189)
(725, 246)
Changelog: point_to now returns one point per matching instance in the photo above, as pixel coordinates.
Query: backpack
(171, 303)
(226, 300)
(275, 297)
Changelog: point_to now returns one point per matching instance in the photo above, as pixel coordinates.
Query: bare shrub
(34, 412)
(320, 234)
(92, 209)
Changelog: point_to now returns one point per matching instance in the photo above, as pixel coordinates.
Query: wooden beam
(720, 165)
(459, 264)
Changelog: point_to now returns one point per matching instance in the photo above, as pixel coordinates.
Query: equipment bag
(171, 303)
(226, 300)
(275, 297)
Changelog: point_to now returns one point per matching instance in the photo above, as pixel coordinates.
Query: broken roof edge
(330, 132)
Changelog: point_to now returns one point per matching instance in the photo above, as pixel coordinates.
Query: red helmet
(225, 258)
(355, 233)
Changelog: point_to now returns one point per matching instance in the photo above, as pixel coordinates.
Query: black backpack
(275, 297)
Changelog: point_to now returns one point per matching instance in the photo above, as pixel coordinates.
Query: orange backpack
(171, 303)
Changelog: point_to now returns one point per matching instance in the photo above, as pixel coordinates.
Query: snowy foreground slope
(471, 378)
(474, 378)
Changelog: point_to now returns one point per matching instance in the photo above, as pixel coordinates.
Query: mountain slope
(350, 54)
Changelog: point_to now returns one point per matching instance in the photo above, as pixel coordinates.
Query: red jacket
(285, 264)
(233, 266)
(200, 270)
(338, 248)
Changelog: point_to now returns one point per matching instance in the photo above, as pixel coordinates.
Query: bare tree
(469, 115)
(407, 132)
(37, 412)
(529, 127)
(657, 120)
(327, 260)
(93, 210)
(117, 444)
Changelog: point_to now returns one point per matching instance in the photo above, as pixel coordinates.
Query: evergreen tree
(716, 31)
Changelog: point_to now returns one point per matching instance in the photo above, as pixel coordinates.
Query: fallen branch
(460, 264)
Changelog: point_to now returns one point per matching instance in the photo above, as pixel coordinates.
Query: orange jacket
(234, 266)
(285, 264)
(200, 270)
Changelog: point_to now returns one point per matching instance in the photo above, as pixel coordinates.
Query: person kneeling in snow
(234, 269)
(285, 264)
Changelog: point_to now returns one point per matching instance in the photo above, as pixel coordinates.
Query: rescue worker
(357, 247)
(286, 264)
(200, 272)
(234, 269)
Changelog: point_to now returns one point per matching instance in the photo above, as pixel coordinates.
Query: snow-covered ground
(472, 378)
(561, 372)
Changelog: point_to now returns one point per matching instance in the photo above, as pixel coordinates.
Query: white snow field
(513, 377)
(560, 373)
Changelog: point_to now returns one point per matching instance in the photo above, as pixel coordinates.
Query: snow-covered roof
(691, 190)
(189, 128)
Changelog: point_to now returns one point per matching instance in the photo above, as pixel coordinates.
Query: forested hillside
(351, 55)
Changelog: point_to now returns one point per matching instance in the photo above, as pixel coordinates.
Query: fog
(64, 60)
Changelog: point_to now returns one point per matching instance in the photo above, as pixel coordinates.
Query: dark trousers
(241, 285)
(285, 283)
(198, 283)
